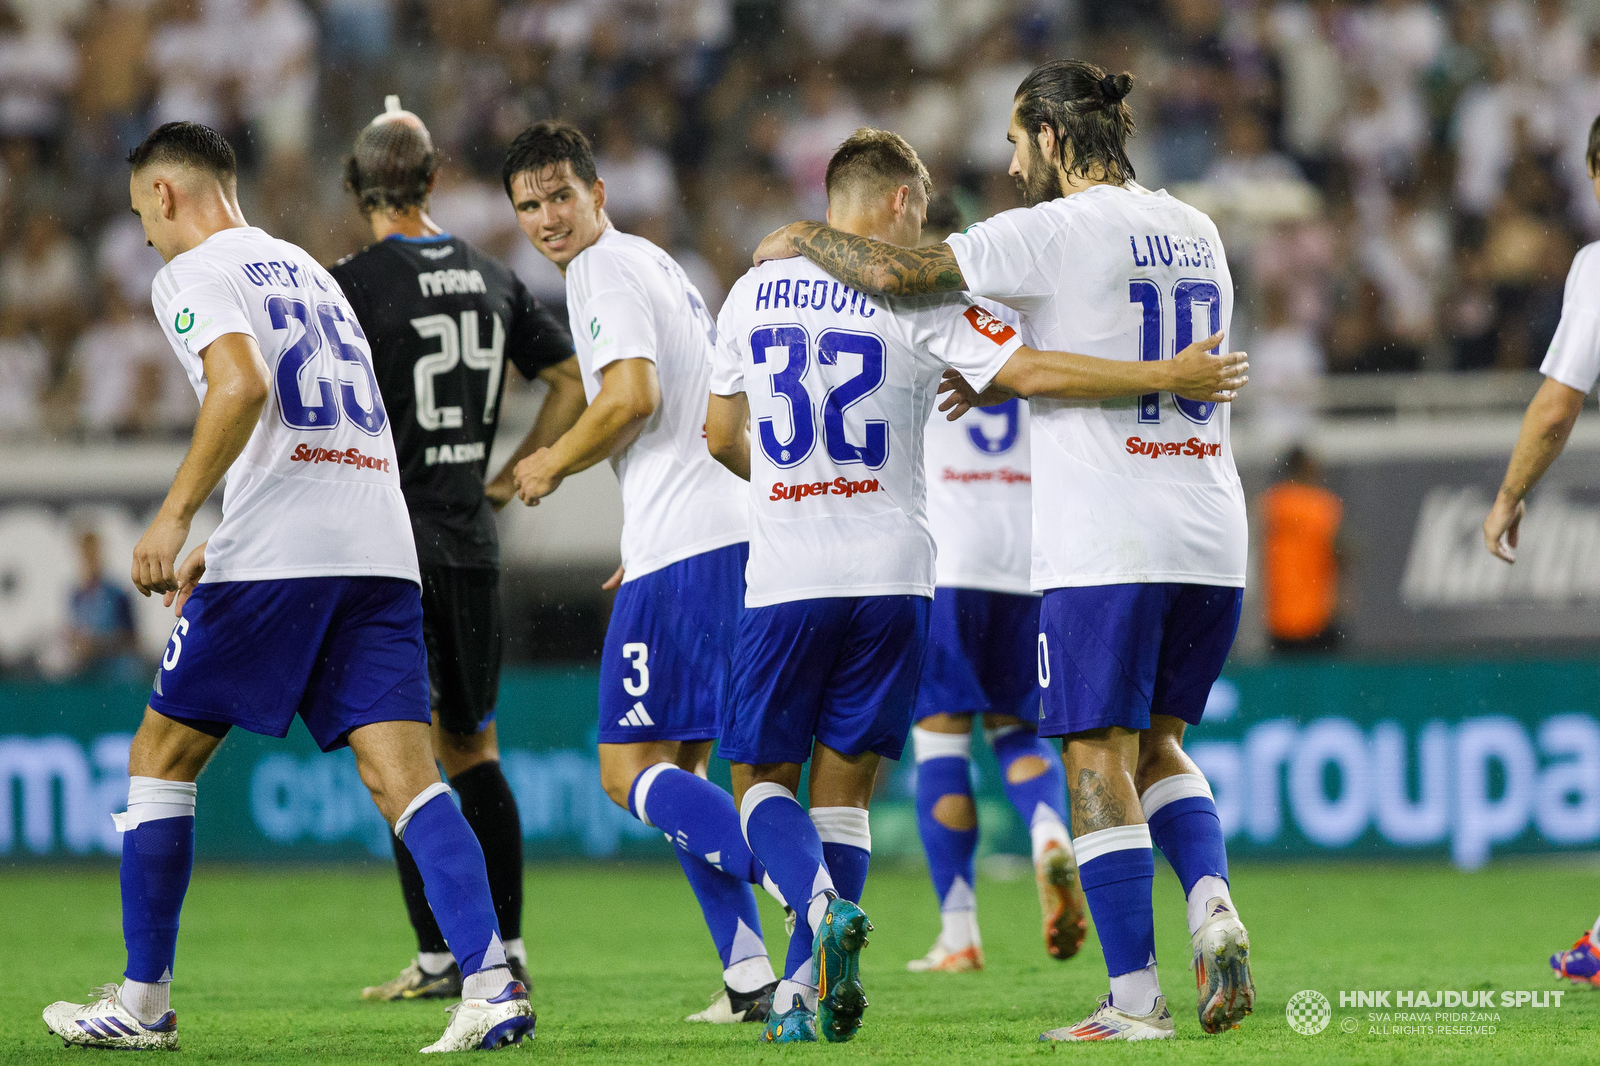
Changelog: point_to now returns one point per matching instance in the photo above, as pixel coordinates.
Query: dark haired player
(443, 319)
(304, 601)
(821, 396)
(644, 341)
(1139, 518)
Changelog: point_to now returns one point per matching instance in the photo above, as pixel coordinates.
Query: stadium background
(1400, 186)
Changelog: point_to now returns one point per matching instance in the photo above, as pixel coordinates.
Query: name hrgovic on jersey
(840, 387)
(316, 491)
(627, 299)
(443, 319)
(1125, 491)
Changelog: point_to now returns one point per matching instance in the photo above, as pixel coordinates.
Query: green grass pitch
(270, 960)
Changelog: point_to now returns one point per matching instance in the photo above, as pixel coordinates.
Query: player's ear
(165, 196)
(1045, 139)
(898, 201)
(599, 194)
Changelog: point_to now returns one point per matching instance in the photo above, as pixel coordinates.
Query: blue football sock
(157, 860)
(1184, 824)
(1117, 868)
(729, 907)
(785, 842)
(846, 847)
(457, 882)
(944, 769)
(1038, 797)
(697, 816)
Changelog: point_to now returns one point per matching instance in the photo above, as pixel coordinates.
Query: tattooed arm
(865, 264)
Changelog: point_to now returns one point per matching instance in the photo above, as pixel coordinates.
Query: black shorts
(461, 626)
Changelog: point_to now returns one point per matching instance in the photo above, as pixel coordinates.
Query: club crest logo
(184, 322)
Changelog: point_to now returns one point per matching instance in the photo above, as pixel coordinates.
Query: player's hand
(155, 556)
(189, 573)
(614, 581)
(959, 397)
(775, 245)
(537, 477)
(1196, 374)
(501, 490)
(1501, 527)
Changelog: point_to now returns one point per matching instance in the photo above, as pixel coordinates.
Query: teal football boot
(797, 1025)
(841, 1000)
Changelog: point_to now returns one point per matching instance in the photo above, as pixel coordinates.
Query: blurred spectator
(127, 380)
(640, 188)
(24, 377)
(1286, 366)
(826, 117)
(41, 280)
(1301, 558)
(38, 67)
(124, 256)
(101, 638)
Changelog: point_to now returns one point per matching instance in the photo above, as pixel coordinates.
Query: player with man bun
(443, 319)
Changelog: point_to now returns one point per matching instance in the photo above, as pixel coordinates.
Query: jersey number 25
(330, 358)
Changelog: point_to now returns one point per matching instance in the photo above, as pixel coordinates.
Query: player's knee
(956, 811)
(1025, 768)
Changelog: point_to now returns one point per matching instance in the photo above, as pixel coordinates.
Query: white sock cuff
(756, 795)
(843, 825)
(930, 745)
(150, 799)
(438, 788)
(992, 735)
(1169, 789)
(1091, 846)
(641, 789)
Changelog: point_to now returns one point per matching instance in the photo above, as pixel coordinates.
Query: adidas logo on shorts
(636, 715)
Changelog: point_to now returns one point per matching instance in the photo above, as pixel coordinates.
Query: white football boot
(1222, 968)
(1109, 1023)
(730, 1008)
(106, 1023)
(487, 1024)
(941, 959)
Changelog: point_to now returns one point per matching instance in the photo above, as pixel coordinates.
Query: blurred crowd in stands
(1400, 183)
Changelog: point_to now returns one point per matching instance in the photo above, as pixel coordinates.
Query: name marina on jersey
(1155, 449)
(817, 294)
(1170, 250)
(451, 282)
(837, 487)
(446, 454)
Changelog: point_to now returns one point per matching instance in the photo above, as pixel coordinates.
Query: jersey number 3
(1186, 294)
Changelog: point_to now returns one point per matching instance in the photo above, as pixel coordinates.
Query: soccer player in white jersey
(1139, 518)
(643, 339)
(304, 601)
(820, 398)
(982, 645)
(1570, 368)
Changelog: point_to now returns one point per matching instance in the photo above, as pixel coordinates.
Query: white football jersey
(1574, 355)
(980, 497)
(316, 491)
(627, 299)
(1124, 491)
(840, 387)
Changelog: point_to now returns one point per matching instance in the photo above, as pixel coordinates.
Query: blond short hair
(873, 159)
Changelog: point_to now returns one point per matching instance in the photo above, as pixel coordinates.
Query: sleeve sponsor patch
(988, 325)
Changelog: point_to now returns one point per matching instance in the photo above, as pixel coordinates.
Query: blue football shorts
(842, 670)
(1113, 655)
(664, 667)
(981, 655)
(340, 652)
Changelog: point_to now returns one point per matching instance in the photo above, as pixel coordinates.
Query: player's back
(1130, 490)
(316, 490)
(980, 498)
(628, 299)
(442, 320)
(840, 387)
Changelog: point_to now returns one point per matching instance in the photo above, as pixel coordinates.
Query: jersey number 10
(1185, 295)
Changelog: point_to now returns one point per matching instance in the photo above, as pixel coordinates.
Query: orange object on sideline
(1301, 563)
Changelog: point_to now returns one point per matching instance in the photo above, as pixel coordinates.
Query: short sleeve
(969, 339)
(615, 312)
(999, 259)
(196, 307)
(727, 360)
(1574, 355)
(536, 340)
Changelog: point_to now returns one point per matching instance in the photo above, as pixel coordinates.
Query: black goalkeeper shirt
(442, 318)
